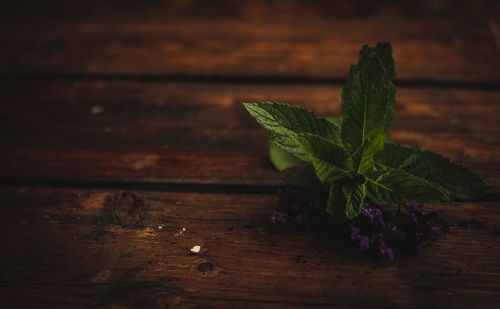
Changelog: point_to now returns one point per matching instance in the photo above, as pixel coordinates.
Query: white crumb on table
(196, 249)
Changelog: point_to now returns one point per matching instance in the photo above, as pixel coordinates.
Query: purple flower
(364, 242)
(435, 233)
(414, 207)
(354, 233)
(374, 214)
(298, 207)
(279, 217)
(273, 218)
(386, 252)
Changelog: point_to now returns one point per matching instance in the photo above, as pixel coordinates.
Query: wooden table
(125, 144)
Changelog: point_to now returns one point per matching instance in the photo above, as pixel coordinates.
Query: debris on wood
(180, 232)
(196, 249)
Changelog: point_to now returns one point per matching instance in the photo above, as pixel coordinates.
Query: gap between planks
(214, 188)
(236, 80)
(203, 188)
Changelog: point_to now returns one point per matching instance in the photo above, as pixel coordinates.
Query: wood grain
(431, 41)
(248, 10)
(200, 133)
(104, 95)
(63, 247)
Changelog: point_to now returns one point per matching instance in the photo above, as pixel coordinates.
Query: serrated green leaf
(306, 179)
(367, 99)
(383, 50)
(399, 186)
(457, 181)
(384, 53)
(336, 121)
(366, 104)
(391, 98)
(284, 121)
(280, 158)
(361, 160)
(328, 158)
(288, 144)
(387, 138)
(355, 195)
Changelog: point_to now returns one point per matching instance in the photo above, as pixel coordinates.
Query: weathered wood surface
(74, 247)
(98, 96)
(200, 133)
(250, 40)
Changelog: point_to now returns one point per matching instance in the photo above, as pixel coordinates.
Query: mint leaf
(306, 179)
(366, 98)
(355, 195)
(328, 158)
(284, 121)
(280, 158)
(283, 160)
(336, 121)
(399, 186)
(352, 156)
(457, 181)
(387, 138)
(361, 160)
(384, 54)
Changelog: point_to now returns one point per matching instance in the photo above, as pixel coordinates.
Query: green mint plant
(352, 157)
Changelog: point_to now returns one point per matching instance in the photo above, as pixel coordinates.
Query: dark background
(121, 124)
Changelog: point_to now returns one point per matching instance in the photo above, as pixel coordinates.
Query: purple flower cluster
(409, 229)
(371, 232)
(374, 231)
(364, 242)
(423, 228)
(297, 207)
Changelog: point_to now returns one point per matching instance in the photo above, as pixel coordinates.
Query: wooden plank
(252, 10)
(317, 40)
(200, 133)
(72, 247)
